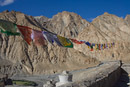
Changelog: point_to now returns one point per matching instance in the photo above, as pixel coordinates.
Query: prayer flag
(99, 45)
(91, 47)
(8, 27)
(93, 44)
(65, 42)
(48, 36)
(51, 38)
(9, 33)
(76, 41)
(38, 37)
(26, 33)
(113, 43)
(104, 46)
(87, 43)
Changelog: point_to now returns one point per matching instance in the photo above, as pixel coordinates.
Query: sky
(87, 9)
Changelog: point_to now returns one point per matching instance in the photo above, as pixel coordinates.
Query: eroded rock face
(107, 28)
(31, 59)
(42, 20)
(67, 24)
(127, 18)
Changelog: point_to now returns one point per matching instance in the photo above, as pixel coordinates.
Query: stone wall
(126, 68)
(104, 75)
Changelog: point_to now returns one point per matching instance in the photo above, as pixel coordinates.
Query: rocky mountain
(127, 18)
(19, 58)
(107, 28)
(19, 18)
(41, 20)
(66, 24)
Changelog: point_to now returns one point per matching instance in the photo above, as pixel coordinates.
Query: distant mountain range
(24, 59)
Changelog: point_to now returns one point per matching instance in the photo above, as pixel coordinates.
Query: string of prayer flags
(40, 37)
(8, 27)
(99, 46)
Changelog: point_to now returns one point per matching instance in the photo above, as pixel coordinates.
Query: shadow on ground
(123, 80)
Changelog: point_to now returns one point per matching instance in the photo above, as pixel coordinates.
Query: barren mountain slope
(41, 59)
(67, 24)
(127, 18)
(107, 28)
(42, 20)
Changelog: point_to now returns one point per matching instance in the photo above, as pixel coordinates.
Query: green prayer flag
(8, 27)
(9, 33)
(65, 42)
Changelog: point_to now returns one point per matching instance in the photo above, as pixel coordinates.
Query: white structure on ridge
(64, 78)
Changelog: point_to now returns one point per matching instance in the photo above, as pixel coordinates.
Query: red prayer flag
(38, 37)
(76, 41)
(26, 32)
(99, 46)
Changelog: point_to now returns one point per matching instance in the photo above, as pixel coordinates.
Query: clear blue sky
(87, 9)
